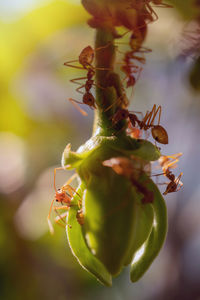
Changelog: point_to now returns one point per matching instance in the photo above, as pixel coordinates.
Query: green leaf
(157, 237)
(80, 249)
(110, 205)
(143, 226)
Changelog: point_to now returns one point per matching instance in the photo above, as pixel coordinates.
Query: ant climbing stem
(86, 58)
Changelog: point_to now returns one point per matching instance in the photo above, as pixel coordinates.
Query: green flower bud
(116, 220)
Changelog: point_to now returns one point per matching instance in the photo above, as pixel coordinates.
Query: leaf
(142, 229)
(157, 237)
(79, 248)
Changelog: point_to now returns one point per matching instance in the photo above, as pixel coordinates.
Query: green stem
(108, 85)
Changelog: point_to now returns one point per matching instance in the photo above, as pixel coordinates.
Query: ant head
(131, 81)
(88, 99)
(124, 113)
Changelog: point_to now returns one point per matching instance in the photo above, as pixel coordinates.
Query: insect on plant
(132, 169)
(86, 59)
(158, 132)
(132, 71)
(169, 161)
(175, 184)
(64, 196)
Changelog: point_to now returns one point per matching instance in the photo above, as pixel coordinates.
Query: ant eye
(56, 200)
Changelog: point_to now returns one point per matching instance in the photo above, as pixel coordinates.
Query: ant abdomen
(159, 134)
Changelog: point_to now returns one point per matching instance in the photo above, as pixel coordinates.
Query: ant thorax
(89, 99)
(121, 114)
(62, 196)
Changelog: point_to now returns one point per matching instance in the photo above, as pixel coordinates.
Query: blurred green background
(36, 123)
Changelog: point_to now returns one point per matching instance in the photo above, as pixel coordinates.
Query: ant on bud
(64, 196)
(125, 167)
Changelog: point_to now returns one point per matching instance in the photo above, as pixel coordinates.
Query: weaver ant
(125, 167)
(64, 196)
(129, 67)
(167, 162)
(85, 59)
(158, 132)
(175, 184)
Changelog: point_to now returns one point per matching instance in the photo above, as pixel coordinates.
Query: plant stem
(108, 85)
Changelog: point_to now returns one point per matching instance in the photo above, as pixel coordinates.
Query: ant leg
(142, 60)
(51, 229)
(79, 88)
(71, 190)
(61, 217)
(102, 69)
(61, 207)
(68, 64)
(74, 103)
(152, 12)
(159, 109)
(152, 113)
(162, 5)
(115, 103)
(76, 80)
(103, 47)
(55, 169)
(177, 181)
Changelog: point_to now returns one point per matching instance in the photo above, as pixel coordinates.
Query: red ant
(124, 166)
(86, 58)
(159, 3)
(158, 132)
(64, 195)
(175, 184)
(129, 67)
(167, 162)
